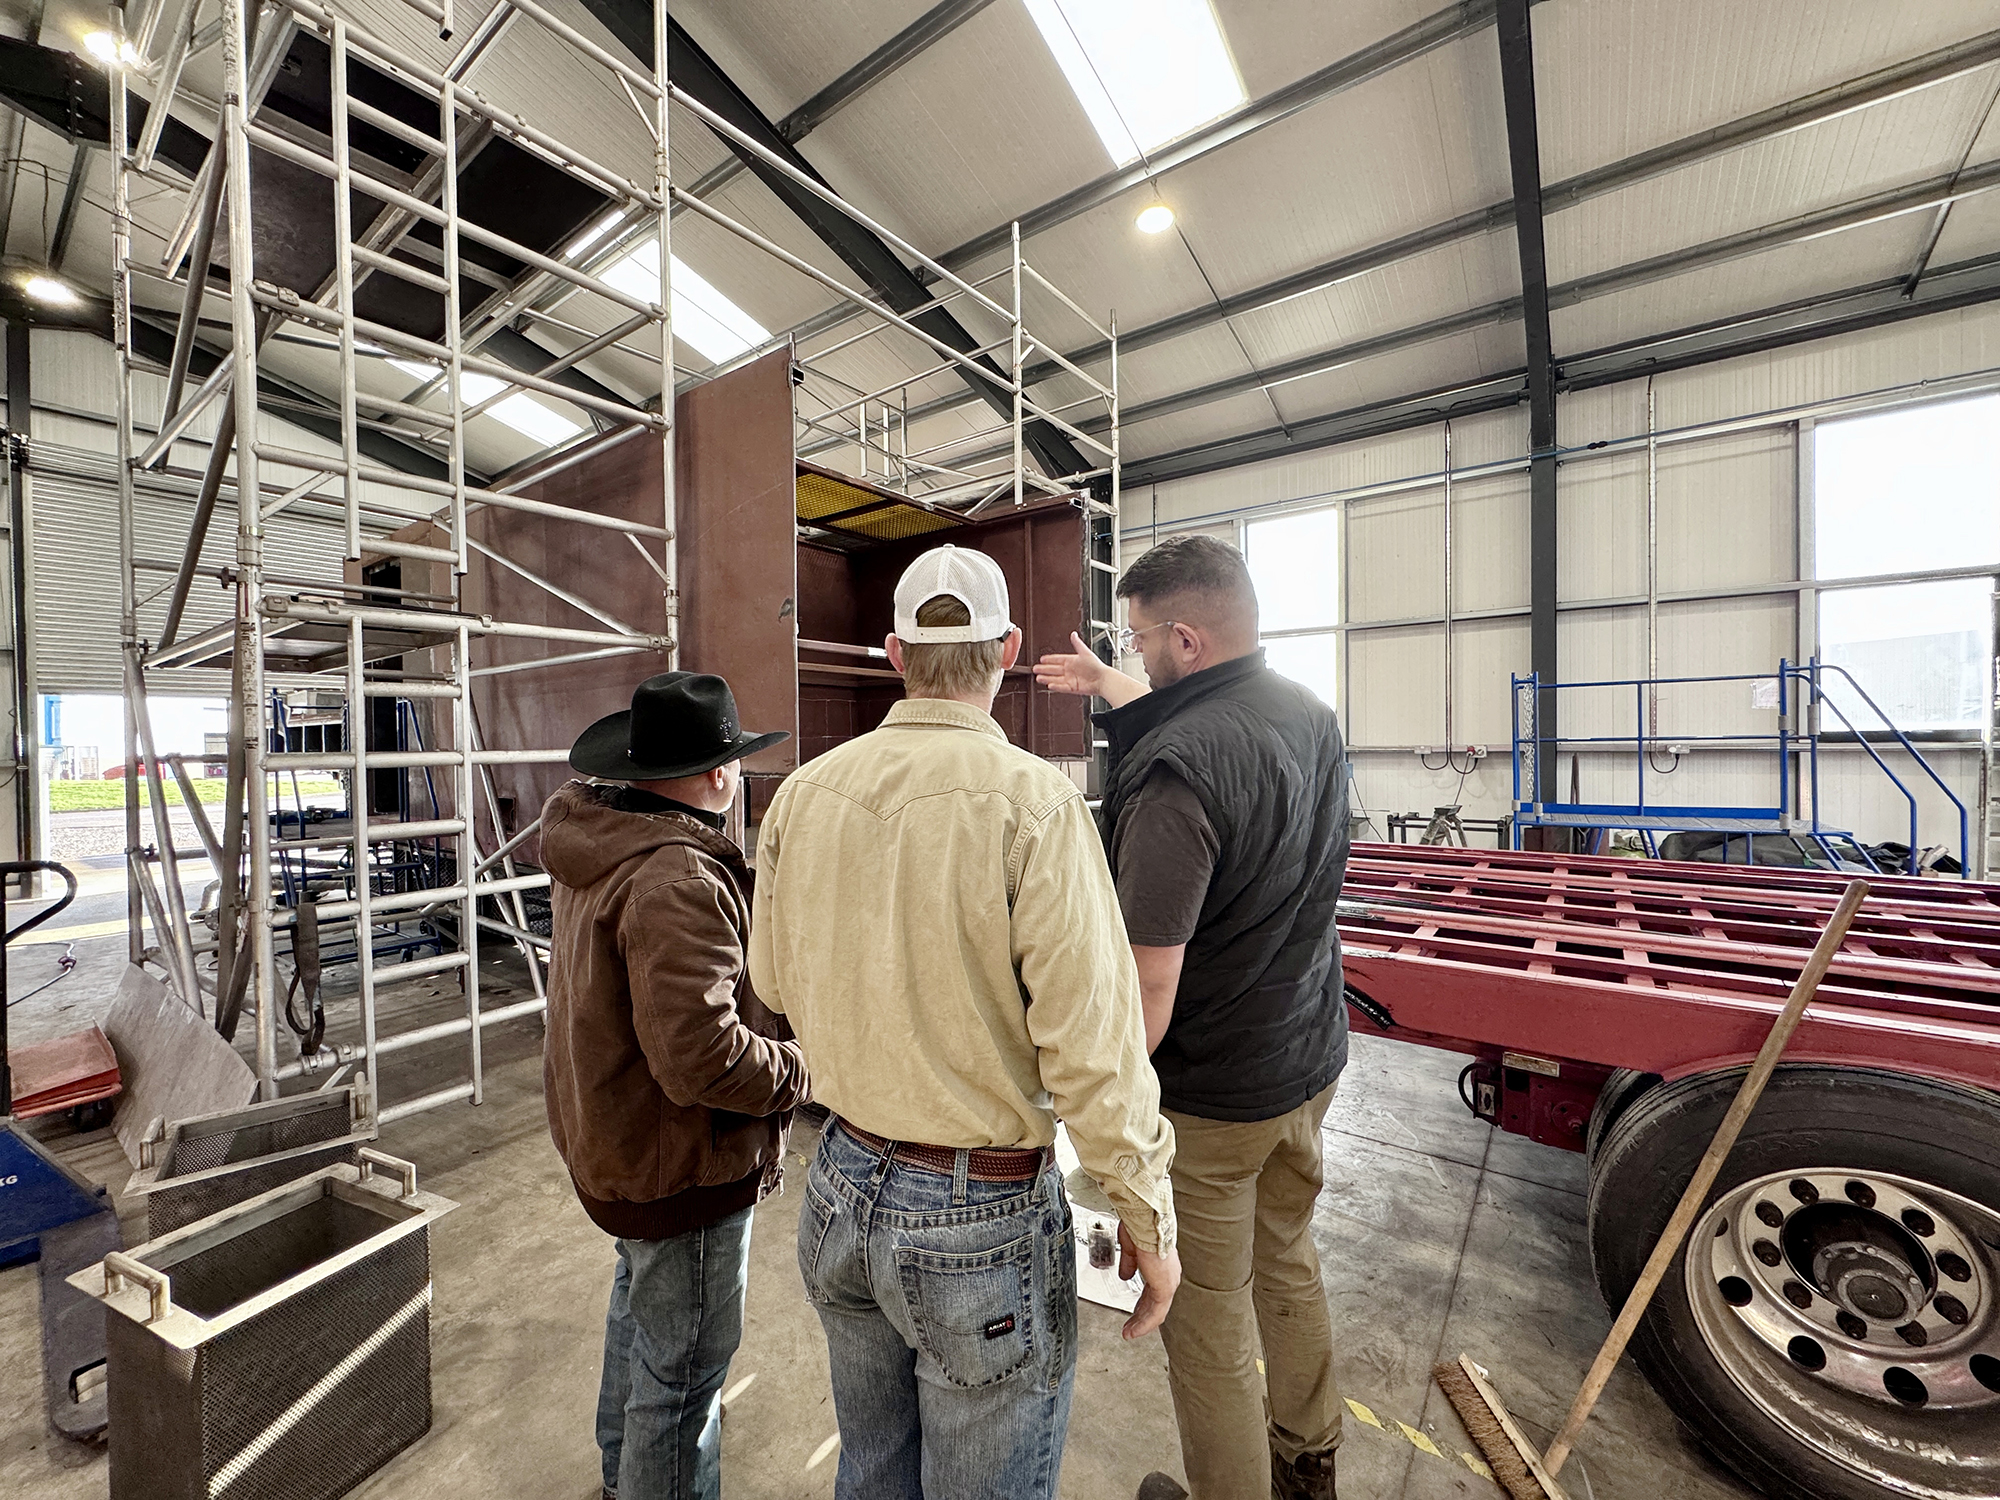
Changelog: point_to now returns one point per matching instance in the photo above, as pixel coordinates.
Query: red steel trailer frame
(1830, 1328)
(1552, 970)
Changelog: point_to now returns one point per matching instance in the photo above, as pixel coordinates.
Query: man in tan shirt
(934, 915)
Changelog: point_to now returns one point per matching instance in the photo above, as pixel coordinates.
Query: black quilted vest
(1259, 1024)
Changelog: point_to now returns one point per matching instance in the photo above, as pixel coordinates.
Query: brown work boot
(1307, 1477)
(1158, 1486)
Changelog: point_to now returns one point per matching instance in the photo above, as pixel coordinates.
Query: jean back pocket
(972, 1311)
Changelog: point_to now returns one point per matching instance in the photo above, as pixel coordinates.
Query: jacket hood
(585, 836)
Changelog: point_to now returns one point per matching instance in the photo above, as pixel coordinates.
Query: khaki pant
(1244, 1195)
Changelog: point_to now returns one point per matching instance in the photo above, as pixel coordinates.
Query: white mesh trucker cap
(972, 578)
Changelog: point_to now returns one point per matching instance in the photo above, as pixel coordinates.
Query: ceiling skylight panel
(1145, 71)
(519, 411)
(704, 319)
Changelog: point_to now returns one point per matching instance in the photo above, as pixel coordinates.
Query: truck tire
(1831, 1327)
(1620, 1090)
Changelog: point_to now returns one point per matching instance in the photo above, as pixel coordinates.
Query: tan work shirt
(934, 915)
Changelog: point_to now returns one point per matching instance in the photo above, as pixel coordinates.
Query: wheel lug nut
(1953, 1267)
(1771, 1215)
(1951, 1309)
(1914, 1335)
(1918, 1223)
(1767, 1252)
(1850, 1325)
(1797, 1294)
(1804, 1191)
(1860, 1193)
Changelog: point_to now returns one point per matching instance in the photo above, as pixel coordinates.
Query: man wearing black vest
(1225, 821)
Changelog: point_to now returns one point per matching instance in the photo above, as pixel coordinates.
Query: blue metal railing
(1649, 815)
(1808, 676)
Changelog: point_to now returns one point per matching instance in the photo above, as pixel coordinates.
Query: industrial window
(1910, 491)
(1295, 564)
(1145, 71)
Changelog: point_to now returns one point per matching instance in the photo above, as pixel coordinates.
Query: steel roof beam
(1439, 29)
(930, 28)
(1875, 88)
(870, 258)
(921, 34)
(1797, 230)
(72, 96)
(1448, 25)
(1856, 309)
(1524, 165)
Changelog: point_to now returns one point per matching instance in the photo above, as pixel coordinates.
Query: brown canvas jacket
(662, 1069)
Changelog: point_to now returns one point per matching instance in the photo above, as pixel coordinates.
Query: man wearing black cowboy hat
(668, 1082)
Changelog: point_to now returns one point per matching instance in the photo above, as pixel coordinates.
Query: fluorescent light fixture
(106, 48)
(1145, 71)
(48, 289)
(1156, 220)
(705, 320)
(593, 234)
(519, 411)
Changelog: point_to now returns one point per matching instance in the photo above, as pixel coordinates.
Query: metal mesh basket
(205, 1164)
(280, 1348)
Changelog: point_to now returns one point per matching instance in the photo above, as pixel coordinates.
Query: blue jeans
(675, 1321)
(950, 1314)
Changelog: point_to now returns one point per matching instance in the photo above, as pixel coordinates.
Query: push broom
(1520, 1470)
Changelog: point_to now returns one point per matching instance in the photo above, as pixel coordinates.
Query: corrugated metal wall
(1726, 565)
(73, 494)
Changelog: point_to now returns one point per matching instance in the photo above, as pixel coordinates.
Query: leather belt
(984, 1163)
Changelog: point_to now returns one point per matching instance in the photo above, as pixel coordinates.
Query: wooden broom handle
(1689, 1207)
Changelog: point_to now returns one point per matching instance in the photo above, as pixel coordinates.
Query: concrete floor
(1438, 1236)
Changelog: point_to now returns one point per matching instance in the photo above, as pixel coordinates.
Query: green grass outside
(102, 796)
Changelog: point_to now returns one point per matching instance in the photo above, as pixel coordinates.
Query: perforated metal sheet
(302, 1401)
(198, 1148)
(172, 1203)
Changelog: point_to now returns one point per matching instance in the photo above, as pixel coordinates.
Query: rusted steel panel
(735, 484)
(545, 708)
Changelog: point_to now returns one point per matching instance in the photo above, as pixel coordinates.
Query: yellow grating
(821, 496)
(878, 519)
(893, 522)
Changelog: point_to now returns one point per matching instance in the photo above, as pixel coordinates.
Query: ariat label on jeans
(1000, 1327)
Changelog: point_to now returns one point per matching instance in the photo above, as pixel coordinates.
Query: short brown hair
(950, 669)
(1198, 576)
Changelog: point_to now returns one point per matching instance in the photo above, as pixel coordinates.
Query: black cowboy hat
(679, 724)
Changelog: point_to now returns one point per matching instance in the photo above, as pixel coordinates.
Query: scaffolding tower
(289, 629)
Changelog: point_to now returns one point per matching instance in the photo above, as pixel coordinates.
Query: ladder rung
(343, 760)
(383, 406)
(429, 829)
(419, 967)
(409, 690)
(385, 905)
(414, 550)
(429, 280)
(402, 130)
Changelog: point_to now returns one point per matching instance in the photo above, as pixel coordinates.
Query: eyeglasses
(1127, 639)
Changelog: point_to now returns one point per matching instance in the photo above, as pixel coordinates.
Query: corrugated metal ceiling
(980, 127)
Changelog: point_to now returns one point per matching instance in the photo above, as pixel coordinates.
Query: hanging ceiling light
(51, 291)
(1156, 219)
(107, 49)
